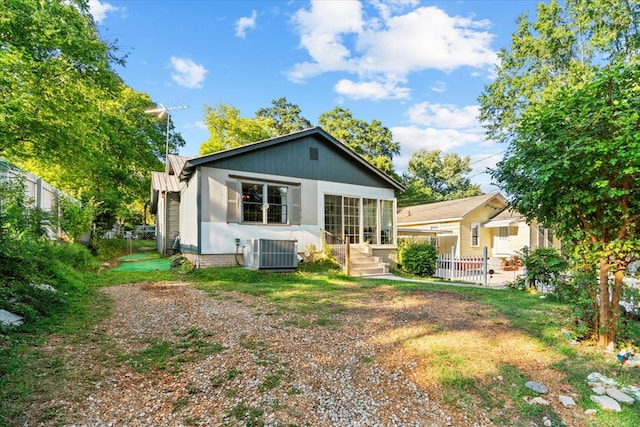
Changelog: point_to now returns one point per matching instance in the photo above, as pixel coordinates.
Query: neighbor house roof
(449, 210)
(508, 217)
(355, 159)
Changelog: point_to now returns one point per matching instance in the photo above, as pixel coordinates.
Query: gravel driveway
(181, 357)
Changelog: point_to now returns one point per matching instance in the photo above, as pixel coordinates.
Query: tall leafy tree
(227, 129)
(557, 100)
(435, 176)
(283, 117)
(66, 115)
(575, 165)
(371, 140)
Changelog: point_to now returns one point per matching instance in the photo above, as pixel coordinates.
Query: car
(144, 232)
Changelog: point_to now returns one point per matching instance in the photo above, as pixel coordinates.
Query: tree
(575, 165)
(560, 53)
(229, 130)
(283, 117)
(371, 140)
(433, 176)
(66, 115)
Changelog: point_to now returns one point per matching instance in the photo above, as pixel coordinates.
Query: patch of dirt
(382, 364)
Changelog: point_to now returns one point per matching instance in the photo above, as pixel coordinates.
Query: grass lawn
(318, 300)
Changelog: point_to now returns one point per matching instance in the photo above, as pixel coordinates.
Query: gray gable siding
(294, 159)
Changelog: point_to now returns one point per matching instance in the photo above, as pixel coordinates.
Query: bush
(418, 258)
(545, 269)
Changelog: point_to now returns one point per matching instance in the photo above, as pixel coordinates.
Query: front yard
(239, 347)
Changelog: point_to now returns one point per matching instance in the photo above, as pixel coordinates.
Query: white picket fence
(463, 269)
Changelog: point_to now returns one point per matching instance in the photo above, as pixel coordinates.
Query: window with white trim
(475, 234)
(264, 203)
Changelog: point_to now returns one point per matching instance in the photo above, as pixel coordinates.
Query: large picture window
(264, 203)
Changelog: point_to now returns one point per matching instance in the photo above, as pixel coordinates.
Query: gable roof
(354, 159)
(506, 218)
(449, 210)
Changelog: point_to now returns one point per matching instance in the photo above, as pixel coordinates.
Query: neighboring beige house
(453, 223)
(510, 233)
(471, 223)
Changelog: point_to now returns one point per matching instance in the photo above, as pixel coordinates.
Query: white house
(306, 187)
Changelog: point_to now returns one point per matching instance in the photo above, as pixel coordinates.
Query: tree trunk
(604, 332)
(616, 293)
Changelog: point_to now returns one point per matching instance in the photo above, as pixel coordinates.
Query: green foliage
(283, 117)
(73, 217)
(582, 296)
(66, 115)
(418, 258)
(433, 176)
(371, 140)
(545, 268)
(565, 99)
(228, 130)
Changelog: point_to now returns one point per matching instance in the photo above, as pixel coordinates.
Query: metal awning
(501, 223)
(421, 232)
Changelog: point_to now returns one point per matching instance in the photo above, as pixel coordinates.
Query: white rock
(567, 401)
(45, 287)
(539, 401)
(537, 387)
(619, 396)
(606, 403)
(599, 390)
(9, 319)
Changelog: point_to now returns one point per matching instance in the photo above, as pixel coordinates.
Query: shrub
(417, 258)
(545, 269)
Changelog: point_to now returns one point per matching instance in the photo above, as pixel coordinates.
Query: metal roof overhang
(421, 232)
(501, 223)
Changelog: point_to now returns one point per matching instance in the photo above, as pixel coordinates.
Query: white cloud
(321, 31)
(444, 115)
(187, 73)
(100, 10)
(387, 48)
(426, 38)
(245, 23)
(371, 90)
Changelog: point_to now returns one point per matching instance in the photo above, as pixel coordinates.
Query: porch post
(347, 255)
(485, 269)
(452, 272)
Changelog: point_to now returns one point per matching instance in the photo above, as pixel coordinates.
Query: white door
(502, 242)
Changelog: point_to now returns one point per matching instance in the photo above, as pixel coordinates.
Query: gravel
(322, 376)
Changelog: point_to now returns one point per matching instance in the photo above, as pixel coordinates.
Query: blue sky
(417, 66)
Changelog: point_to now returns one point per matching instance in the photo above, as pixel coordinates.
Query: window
(352, 218)
(540, 236)
(370, 220)
(263, 203)
(549, 238)
(360, 220)
(333, 217)
(386, 222)
(475, 234)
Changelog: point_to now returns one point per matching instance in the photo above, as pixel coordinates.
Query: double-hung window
(265, 203)
(475, 234)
